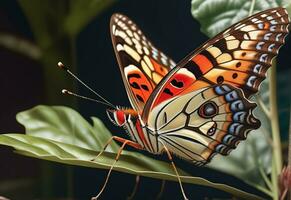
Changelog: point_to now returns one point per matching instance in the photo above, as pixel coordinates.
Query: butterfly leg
(119, 139)
(131, 196)
(176, 171)
(125, 142)
(160, 194)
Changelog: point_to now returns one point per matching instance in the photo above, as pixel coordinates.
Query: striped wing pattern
(239, 56)
(142, 65)
(218, 78)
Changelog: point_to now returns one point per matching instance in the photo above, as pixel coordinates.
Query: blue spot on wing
(231, 96)
(237, 106)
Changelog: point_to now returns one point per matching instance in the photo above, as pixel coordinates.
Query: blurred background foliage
(35, 35)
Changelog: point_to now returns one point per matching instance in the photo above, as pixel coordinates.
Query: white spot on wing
(272, 28)
(260, 26)
(259, 45)
(278, 37)
(271, 47)
(146, 51)
(264, 58)
(119, 47)
(267, 36)
(136, 36)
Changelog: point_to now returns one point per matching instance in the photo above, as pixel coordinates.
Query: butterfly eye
(208, 110)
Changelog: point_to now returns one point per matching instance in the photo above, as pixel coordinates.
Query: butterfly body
(136, 129)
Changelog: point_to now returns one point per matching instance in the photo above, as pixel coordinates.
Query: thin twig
(266, 179)
(251, 11)
(263, 106)
(274, 178)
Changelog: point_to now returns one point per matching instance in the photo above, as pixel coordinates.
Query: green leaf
(60, 134)
(215, 16)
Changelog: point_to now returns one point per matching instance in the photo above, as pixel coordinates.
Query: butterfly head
(120, 116)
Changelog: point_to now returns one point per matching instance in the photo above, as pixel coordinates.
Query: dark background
(169, 25)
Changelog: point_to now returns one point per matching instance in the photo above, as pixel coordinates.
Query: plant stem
(263, 106)
(265, 177)
(274, 178)
(277, 153)
(251, 11)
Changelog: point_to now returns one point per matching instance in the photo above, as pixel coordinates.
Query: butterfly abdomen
(140, 133)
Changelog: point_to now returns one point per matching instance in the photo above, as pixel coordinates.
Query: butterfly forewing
(142, 65)
(239, 56)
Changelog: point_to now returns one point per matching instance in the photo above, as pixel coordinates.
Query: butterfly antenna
(62, 66)
(67, 92)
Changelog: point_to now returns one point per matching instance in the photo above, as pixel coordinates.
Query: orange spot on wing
(203, 62)
(266, 25)
(140, 86)
(196, 86)
(160, 69)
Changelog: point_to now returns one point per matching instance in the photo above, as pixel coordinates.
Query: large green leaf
(216, 15)
(60, 134)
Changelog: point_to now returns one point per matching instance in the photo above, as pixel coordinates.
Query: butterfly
(201, 106)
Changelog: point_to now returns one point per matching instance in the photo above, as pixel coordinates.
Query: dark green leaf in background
(215, 16)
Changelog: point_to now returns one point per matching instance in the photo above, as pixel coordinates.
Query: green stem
(263, 106)
(265, 177)
(274, 177)
(277, 154)
(251, 11)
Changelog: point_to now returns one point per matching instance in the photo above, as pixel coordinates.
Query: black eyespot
(135, 85)
(139, 98)
(208, 110)
(220, 79)
(168, 91)
(178, 84)
(144, 87)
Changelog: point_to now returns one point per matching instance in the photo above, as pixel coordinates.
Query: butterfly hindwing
(239, 56)
(142, 65)
(211, 120)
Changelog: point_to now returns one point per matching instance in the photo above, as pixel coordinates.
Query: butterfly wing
(142, 65)
(239, 56)
(202, 123)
